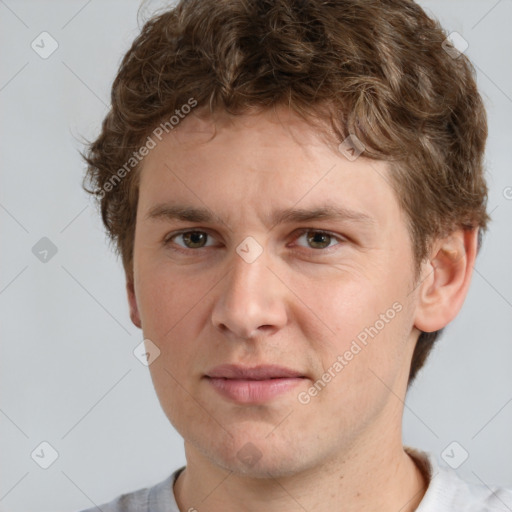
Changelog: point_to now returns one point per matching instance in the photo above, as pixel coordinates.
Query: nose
(250, 301)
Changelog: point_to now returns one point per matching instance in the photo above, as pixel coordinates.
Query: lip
(260, 372)
(253, 385)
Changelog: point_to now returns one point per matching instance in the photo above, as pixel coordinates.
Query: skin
(300, 304)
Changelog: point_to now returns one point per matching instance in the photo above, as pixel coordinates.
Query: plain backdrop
(68, 375)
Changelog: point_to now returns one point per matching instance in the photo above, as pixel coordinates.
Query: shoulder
(447, 491)
(454, 493)
(159, 497)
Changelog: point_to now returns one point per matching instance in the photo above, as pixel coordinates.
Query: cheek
(361, 320)
(168, 296)
(173, 316)
(336, 306)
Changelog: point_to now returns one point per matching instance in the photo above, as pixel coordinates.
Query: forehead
(260, 163)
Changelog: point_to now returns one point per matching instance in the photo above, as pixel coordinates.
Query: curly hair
(382, 70)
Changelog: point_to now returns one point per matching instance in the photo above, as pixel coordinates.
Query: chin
(258, 457)
(262, 469)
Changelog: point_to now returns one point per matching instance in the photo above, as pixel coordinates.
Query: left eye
(319, 239)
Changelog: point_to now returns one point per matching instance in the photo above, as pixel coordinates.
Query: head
(246, 108)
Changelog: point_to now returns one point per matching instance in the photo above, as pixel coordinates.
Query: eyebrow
(170, 211)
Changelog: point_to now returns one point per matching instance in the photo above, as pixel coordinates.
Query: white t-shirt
(447, 492)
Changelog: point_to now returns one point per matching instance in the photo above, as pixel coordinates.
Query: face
(318, 306)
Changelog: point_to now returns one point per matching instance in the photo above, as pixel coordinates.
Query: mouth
(253, 385)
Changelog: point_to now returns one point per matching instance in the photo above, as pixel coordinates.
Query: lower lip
(253, 391)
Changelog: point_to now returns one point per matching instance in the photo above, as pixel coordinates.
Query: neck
(380, 477)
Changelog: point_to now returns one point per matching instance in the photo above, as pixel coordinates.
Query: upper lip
(261, 372)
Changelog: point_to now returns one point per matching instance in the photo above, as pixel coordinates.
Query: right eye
(192, 239)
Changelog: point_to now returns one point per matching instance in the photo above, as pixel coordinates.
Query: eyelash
(340, 239)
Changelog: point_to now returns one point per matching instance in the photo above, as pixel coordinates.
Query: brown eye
(319, 239)
(189, 239)
(194, 239)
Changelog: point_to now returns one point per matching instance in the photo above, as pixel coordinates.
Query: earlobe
(445, 280)
(132, 301)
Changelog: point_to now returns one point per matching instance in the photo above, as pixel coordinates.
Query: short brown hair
(376, 69)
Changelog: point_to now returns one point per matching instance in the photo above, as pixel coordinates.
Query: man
(296, 190)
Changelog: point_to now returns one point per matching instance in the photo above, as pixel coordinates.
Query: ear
(445, 279)
(132, 301)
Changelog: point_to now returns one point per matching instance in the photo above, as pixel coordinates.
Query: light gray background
(68, 374)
